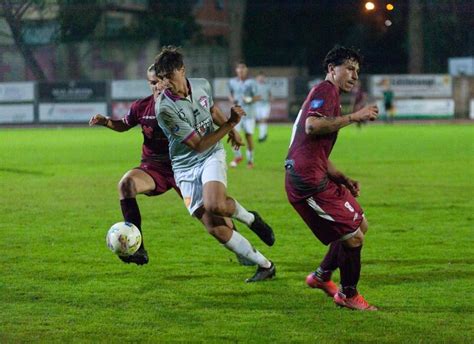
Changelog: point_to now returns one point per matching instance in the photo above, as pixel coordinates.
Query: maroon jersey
(307, 160)
(155, 143)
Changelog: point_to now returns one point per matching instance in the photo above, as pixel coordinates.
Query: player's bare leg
(250, 146)
(218, 203)
(321, 278)
(349, 266)
(219, 228)
(132, 183)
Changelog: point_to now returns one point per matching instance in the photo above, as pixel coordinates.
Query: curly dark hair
(168, 60)
(339, 54)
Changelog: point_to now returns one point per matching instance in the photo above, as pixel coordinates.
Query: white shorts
(247, 124)
(263, 111)
(191, 181)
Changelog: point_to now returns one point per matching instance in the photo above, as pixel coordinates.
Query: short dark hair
(240, 62)
(339, 54)
(168, 60)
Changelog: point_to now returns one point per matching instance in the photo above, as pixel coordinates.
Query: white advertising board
(408, 86)
(129, 89)
(16, 113)
(70, 112)
(421, 108)
(279, 87)
(17, 91)
(471, 109)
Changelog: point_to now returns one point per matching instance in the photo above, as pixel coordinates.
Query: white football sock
(241, 246)
(249, 155)
(242, 214)
(262, 130)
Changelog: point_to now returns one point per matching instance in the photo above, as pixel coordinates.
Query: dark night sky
(300, 32)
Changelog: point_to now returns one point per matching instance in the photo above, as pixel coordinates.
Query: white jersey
(181, 118)
(243, 91)
(264, 91)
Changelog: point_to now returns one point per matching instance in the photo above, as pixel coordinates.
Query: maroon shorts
(331, 214)
(162, 175)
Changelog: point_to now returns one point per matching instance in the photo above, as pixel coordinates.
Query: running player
(359, 100)
(187, 115)
(263, 106)
(389, 108)
(243, 92)
(322, 195)
(154, 176)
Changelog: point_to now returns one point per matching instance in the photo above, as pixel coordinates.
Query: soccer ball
(124, 238)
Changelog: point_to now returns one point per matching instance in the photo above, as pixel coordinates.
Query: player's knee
(356, 240)
(127, 187)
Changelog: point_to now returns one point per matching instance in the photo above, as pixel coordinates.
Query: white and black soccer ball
(124, 238)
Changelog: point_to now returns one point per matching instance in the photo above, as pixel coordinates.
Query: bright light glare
(369, 6)
(389, 7)
(388, 23)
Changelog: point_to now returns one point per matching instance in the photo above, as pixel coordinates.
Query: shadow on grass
(23, 171)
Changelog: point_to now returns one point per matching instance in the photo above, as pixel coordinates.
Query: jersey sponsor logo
(316, 104)
(204, 102)
(203, 126)
(175, 129)
(356, 216)
(149, 117)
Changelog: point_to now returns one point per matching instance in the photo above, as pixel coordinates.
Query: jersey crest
(204, 102)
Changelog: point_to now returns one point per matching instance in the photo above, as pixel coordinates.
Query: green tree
(14, 12)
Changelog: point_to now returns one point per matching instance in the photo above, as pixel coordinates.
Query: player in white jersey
(243, 92)
(263, 106)
(194, 127)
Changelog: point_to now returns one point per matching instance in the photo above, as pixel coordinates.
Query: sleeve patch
(316, 104)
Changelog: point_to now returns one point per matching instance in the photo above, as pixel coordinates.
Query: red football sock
(349, 266)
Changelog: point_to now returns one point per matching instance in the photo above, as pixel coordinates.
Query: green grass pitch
(60, 283)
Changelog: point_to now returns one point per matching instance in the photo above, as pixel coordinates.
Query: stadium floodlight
(389, 7)
(369, 6)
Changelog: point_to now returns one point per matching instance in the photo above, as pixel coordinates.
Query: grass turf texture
(59, 282)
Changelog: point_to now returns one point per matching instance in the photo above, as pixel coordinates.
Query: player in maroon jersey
(154, 176)
(322, 195)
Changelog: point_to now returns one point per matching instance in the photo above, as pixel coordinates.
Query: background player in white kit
(263, 106)
(243, 92)
(188, 117)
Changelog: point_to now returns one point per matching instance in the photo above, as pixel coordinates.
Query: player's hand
(367, 113)
(234, 139)
(98, 120)
(353, 187)
(236, 114)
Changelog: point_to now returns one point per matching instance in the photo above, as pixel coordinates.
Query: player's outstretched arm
(201, 144)
(326, 125)
(116, 125)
